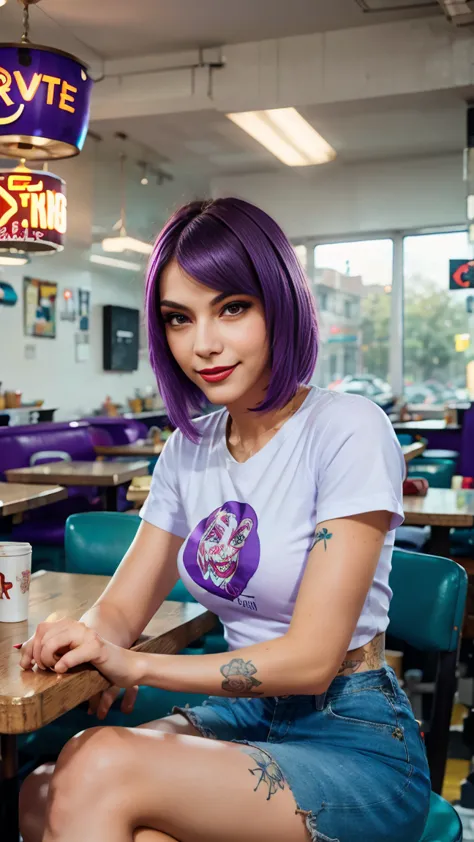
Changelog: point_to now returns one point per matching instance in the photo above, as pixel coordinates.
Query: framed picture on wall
(39, 307)
(121, 337)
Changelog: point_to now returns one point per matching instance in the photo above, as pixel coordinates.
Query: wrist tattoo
(239, 678)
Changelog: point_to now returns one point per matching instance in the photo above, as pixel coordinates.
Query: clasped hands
(59, 644)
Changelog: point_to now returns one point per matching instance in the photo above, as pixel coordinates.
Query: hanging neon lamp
(33, 213)
(44, 99)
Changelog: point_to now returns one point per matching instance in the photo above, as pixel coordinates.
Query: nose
(207, 339)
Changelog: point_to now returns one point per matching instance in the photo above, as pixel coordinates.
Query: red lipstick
(215, 375)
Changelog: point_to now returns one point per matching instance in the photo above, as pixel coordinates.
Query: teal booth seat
(427, 609)
(439, 475)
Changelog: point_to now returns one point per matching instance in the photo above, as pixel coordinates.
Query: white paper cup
(15, 574)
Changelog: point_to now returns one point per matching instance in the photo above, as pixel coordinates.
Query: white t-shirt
(250, 526)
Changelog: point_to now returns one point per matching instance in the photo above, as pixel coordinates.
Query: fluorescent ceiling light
(3, 2)
(117, 264)
(287, 135)
(6, 260)
(126, 243)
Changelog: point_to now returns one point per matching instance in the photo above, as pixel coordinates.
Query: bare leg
(190, 788)
(34, 792)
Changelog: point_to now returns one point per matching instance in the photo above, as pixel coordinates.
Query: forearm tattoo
(267, 772)
(239, 678)
(322, 535)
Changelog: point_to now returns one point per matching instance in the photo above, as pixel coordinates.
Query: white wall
(338, 200)
(76, 388)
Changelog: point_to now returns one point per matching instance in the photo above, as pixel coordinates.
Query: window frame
(396, 374)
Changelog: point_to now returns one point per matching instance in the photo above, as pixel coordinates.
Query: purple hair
(233, 246)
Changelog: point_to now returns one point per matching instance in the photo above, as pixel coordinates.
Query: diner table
(433, 425)
(20, 497)
(31, 699)
(442, 509)
(138, 490)
(108, 476)
(141, 448)
(411, 451)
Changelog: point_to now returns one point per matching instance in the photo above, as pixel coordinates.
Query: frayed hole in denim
(310, 819)
(194, 720)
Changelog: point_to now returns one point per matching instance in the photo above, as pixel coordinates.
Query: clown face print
(223, 551)
(220, 546)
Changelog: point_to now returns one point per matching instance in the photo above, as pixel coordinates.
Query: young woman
(278, 513)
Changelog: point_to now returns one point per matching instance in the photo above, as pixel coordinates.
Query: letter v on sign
(11, 209)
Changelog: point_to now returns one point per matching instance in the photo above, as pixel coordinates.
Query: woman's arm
(338, 575)
(141, 583)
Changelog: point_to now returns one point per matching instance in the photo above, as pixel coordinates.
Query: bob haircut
(232, 246)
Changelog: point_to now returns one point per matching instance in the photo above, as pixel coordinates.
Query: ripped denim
(353, 758)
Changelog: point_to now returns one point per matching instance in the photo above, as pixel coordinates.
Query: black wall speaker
(121, 327)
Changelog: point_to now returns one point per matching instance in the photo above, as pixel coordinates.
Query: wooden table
(18, 497)
(411, 451)
(29, 700)
(138, 490)
(141, 448)
(433, 425)
(442, 509)
(107, 475)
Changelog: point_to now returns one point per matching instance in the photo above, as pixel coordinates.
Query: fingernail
(17, 645)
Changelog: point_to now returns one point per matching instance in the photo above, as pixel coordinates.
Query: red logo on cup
(24, 581)
(4, 586)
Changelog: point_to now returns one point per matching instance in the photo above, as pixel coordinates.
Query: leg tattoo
(267, 772)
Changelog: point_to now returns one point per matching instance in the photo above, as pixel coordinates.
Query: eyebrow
(176, 306)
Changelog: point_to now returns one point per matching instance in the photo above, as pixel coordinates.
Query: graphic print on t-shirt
(223, 551)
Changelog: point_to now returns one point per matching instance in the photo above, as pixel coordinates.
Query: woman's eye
(236, 308)
(175, 319)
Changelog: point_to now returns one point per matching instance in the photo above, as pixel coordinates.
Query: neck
(249, 428)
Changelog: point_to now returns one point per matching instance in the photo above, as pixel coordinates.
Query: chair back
(96, 542)
(427, 609)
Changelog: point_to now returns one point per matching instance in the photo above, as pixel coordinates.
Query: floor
(456, 769)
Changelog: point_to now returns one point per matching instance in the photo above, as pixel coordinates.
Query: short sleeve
(360, 464)
(163, 506)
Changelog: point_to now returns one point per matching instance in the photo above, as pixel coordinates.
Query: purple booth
(19, 446)
(108, 431)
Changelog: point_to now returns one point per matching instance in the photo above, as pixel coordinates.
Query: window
(352, 286)
(436, 322)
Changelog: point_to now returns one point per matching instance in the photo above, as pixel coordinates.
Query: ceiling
(121, 28)
(207, 143)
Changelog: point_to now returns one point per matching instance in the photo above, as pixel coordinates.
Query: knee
(88, 769)
(91, 757)
(32, 804)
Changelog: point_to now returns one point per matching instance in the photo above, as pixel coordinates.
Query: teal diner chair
(427, 609)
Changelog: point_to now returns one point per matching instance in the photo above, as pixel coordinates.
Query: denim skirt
(353, 758)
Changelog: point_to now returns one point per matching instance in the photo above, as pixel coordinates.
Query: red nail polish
(17, 645)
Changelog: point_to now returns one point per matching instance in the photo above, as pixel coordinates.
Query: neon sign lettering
(14, 86)
(33, 209)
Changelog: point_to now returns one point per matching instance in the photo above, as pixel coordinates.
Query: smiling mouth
(215, 375)
(217, 370)
(222, 566)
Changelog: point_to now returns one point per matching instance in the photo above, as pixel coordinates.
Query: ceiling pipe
(405, 7)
